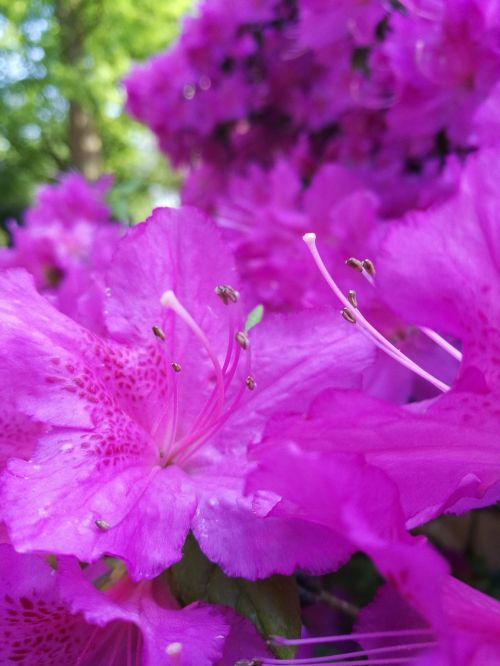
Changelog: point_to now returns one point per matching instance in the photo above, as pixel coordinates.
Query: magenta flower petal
(428, 457)
(146, 438)
(57, 617)
(239, 534)
(36, 628)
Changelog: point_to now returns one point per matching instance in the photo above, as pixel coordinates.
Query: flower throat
(218, 406)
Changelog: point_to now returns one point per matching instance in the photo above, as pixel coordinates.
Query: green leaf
(254, 317)
(271, 604)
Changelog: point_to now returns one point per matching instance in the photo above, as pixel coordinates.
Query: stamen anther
(227, 293)
(348, 315)
(251, 383)
(176, 367)
(242, 339)
(368, 266)
(369, 272)
(102, 524)
(174, 651)
(355, 263)
(352, 298)
(159, 332)
(365, 327)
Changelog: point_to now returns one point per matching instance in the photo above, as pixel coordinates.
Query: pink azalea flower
(322, 24)
(443, 454)
(67, 235)
(263, 214)
(56, 617)
(429, 458)
(423, 616)
(145, 436)
(457, 243)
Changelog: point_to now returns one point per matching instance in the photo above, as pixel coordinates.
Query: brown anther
(368, 266)
(242, 339)
(351, 296)
(176, 367)
(102, 524)
(348, 316)
(355, 263)
(251, 383)
(226, 293)
(158, 332)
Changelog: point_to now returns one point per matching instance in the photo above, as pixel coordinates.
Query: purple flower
(145, 436)
(390, 91)
(66, 236)
(58, 616)
(443, 454)
(264, 213)
(457, 243)
(422, 615)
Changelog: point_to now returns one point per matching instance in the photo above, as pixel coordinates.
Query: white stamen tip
(309, 238)
(173, 649)
(168, 298)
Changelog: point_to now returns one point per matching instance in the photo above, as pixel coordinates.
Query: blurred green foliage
(57, 55)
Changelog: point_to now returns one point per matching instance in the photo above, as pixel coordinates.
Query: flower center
(117, 644)
(223, 399)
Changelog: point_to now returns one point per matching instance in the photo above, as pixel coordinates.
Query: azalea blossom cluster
(174, 455)
(302, 115)
(390, 89)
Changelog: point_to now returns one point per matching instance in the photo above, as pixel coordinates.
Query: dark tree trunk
(84, 142)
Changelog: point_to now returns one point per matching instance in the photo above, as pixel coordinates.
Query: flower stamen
(348, 315)
(174, 652)
(364, 325)
(169, 300)
(227, 294)
(423, 640)
(432, 335)
(250, 383)
(158, 332)
(336, 638)
(355, 263)
(214, 412)
(368, 267)
(200, 437)
(242, 339)
(353, 299)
